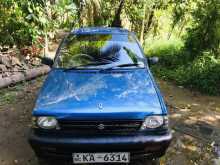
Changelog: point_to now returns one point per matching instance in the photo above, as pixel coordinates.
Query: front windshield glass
(99, 51)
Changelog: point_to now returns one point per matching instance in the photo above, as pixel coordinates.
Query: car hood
(112, 94)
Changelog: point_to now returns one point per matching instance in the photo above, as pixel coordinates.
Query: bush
(202, 73)
(168, 51)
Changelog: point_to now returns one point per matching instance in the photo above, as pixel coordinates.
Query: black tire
(147, 162)
(42, 161)
(152, 162)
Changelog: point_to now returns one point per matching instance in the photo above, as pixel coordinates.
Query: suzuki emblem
(100, 106)
(101, 126)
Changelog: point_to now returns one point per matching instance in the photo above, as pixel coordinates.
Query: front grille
(106, 126)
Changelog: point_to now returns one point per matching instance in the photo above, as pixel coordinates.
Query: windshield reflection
(98, 49)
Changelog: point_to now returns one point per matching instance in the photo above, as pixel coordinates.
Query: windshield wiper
(90, 64)
(120, 65)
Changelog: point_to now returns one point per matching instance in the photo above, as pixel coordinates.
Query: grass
(8, 95)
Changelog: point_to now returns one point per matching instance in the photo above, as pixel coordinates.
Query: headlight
(154, 122)
(47, 122)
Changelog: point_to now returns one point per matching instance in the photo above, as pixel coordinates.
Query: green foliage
(202, 73)
(194, 62)
(17, 28)
(169, 52)
(24, 22)
(205, 31)
(64, 14)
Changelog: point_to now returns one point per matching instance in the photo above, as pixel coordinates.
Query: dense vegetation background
(185, 34)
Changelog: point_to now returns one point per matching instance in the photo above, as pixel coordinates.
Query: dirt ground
(195, 121)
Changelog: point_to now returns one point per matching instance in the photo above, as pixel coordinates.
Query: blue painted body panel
(124, 94)
(100, 30)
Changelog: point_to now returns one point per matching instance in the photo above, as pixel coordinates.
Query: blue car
(100, 103)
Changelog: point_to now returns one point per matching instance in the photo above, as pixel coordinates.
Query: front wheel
(147, 162)
(152, 162)
(42, 161)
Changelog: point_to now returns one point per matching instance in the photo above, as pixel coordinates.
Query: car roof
(100, 30)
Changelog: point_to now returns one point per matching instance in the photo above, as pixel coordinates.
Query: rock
(5, 60)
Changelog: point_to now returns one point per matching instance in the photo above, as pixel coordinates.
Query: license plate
(117, 157)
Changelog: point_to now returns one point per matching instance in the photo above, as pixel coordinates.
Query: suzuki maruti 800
(100, 103)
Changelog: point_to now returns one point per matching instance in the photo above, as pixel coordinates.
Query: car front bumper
(146, 146)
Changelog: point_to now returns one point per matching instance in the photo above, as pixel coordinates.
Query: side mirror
(153, 60)
(47, 61)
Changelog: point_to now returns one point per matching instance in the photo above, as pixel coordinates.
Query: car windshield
(99, 51)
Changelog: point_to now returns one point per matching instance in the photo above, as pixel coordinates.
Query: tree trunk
(150, 19)
(143, 26)
(171, 31)
(117, 20)
(181, 28)
(27, 75)
(45, 30)
(45, 44)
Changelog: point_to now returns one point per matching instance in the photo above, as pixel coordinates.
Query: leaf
(30, 10)
(43, 20)
(30, 16)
